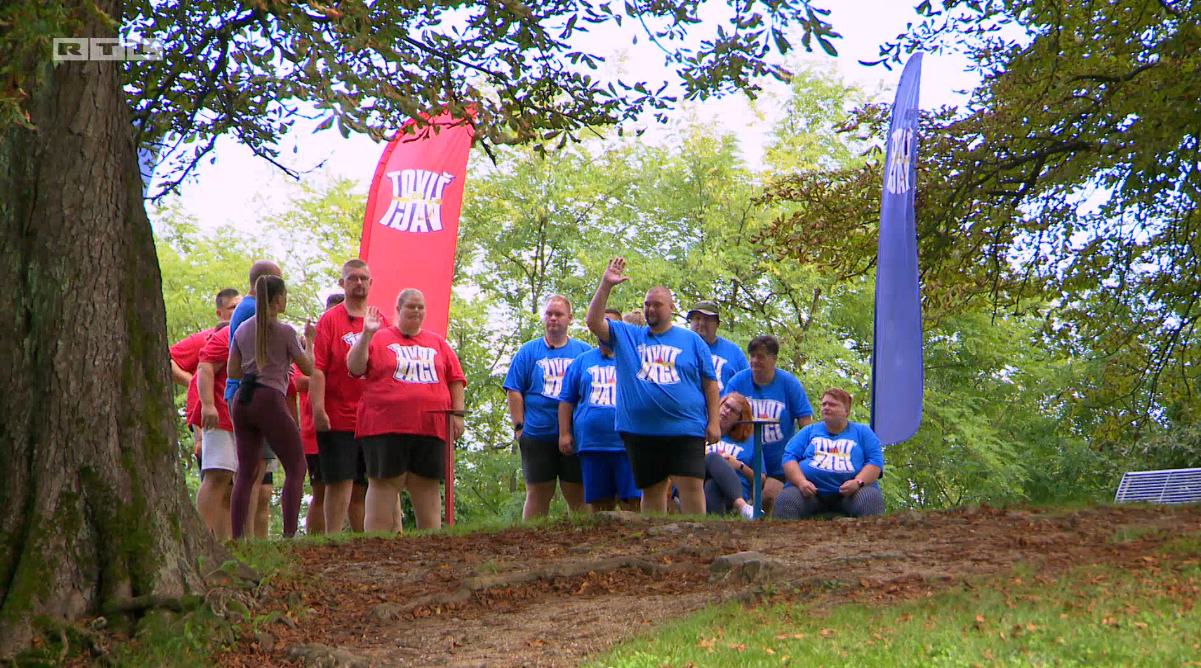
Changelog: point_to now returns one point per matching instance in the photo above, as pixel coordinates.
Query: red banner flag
(412, 221)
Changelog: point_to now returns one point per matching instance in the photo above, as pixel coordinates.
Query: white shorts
(218, 450)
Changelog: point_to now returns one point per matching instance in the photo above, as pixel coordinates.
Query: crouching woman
(832, 465)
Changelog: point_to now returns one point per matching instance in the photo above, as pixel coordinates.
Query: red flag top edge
(411, 225)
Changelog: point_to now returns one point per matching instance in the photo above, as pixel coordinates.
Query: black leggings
(266, 416)
(722, 486)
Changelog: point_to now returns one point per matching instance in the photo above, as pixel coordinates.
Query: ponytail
(266, 289)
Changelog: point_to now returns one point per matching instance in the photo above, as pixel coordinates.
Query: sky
(241, 190)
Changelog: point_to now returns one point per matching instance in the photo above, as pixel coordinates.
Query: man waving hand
(668, 405)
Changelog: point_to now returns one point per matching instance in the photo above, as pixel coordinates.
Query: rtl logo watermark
(106, 48)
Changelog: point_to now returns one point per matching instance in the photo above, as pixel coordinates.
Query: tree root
(140, 604)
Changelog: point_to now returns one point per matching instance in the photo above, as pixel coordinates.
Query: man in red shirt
(185, 355)
(219, 459)
(335, 398)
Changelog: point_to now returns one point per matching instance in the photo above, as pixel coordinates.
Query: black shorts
(781, 478)
(392, 455)
(314, 462)
(656, 458)
(341, 457)
(541, 462)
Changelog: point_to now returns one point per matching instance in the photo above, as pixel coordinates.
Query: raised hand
(310, 331)
(373, 321)
(615, 273)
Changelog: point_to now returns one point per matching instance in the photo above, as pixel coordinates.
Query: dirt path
(552, 596)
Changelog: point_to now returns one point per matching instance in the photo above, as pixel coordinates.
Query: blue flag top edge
(148, 155)
(897, 368)
(147, 162)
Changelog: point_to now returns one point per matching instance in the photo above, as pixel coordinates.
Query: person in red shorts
(412, 376)
(335, 398)
(185, 355)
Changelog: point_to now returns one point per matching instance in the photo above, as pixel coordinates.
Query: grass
(1094, 616)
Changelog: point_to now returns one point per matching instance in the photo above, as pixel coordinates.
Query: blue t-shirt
(591, 384)
(782, 400)
(743, 451)
(537, 373)
(828, 460)
(728, 359)
(242, 313)
(659, 380)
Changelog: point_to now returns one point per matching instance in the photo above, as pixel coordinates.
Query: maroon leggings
(266, 417)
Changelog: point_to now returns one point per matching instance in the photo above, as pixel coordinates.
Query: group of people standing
(350, 402)
(655, 417)
(661, 417)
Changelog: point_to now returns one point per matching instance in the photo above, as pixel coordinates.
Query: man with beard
(534, 382)
(668, 406)
(335, 396)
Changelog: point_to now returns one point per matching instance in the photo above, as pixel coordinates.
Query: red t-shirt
(308, 433)
(407, 380)
(216, 351)
(186, 353)
(337, 331)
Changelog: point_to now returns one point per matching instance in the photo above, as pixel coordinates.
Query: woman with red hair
(832, 465)
(728, 468)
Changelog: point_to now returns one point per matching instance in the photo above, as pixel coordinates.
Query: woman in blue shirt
(832, 465)
(728, 463)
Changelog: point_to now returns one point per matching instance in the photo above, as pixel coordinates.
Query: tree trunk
(93, 506)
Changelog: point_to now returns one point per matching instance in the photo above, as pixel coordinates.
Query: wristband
(861, 483)
(517, 426)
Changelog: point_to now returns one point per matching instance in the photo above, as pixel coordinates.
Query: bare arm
(566, 427)
(713, 408)
(595, 319)
(869, 474)
(317, 397)
(803, 422)
(305, 362)
(356, 359)
(516, 410)
(792, 472)
(233, 366)
(206, 380)
(458, 403)
(180, 376)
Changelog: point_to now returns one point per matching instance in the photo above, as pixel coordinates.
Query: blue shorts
(607, 475)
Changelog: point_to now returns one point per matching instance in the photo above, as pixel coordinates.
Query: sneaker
(748, 512)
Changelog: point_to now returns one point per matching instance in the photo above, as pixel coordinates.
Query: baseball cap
(705, 306)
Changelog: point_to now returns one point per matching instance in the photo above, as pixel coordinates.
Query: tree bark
(93, 506)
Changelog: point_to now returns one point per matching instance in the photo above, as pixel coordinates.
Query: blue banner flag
(897, 335)
(147, 161)
(148, 155)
